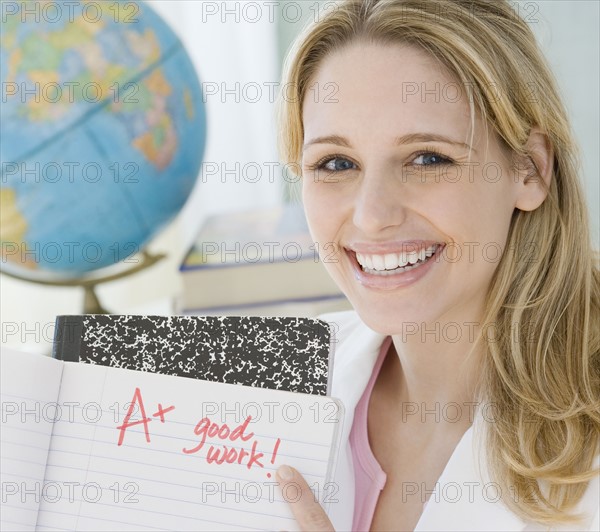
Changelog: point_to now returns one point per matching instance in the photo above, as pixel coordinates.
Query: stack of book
(257, 262)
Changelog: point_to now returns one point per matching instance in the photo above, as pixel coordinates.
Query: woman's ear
(534, 172)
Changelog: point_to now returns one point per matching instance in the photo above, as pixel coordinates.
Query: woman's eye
(335, 164)
(431, 159)
(341, 164)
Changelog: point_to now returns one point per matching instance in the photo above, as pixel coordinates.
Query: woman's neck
(433, 372)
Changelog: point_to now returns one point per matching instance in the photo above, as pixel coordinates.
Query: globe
(102, 130)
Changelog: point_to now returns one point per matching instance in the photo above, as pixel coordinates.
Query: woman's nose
(378, 203)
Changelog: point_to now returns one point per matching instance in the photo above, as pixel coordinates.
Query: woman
(437, 161)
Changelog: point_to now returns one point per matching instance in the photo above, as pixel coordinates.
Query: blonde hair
(542, 369)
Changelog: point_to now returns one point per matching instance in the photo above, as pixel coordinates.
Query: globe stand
(91, 303)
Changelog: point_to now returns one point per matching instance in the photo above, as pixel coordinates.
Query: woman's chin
(388, 322)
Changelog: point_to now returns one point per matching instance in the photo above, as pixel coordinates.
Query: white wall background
(243, 51)
(568, 31)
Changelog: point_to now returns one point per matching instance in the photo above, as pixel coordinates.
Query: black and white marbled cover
(294, 354)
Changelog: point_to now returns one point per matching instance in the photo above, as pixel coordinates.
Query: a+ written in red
(137, 400)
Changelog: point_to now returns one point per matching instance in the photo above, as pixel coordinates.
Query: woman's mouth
(392, 270)
(394, 263)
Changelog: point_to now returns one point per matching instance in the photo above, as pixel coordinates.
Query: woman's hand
(308, 512)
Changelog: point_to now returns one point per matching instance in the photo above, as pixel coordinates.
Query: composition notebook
(89, 446)
(294, 354)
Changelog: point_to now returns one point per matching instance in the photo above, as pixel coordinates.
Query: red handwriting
(219, 455)
(206, 428)
(162, 411)
(233, 455)
(137, 400)
(275, 449)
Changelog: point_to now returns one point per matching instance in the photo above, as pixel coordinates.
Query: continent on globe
(103, 131)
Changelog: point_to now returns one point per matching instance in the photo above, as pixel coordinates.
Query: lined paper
(29, 387)
(155, 485)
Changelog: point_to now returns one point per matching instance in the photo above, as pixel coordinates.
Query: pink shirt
(368, 476)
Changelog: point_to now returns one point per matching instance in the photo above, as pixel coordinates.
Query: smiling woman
(443, 170)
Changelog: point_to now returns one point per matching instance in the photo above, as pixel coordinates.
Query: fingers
(307, 511)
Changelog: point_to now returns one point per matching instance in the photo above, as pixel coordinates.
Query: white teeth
(378, 262)
(431, 250)
(391, 262)
(365, 260)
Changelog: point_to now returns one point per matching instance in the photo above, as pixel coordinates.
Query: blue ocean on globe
(102, 128)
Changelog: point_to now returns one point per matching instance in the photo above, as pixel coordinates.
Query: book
(252, 258)
(293, 354)
(305, 307)
(93, 447)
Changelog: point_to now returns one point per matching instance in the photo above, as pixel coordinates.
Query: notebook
(294, 354)
(87, 446)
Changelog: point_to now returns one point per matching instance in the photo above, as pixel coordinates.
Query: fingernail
(285, 473)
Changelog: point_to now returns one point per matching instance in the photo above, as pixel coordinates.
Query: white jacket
(473, 503)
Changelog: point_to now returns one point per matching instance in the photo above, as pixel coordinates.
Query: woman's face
(387, 181)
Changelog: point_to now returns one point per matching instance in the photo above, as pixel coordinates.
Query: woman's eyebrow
(329, 139)
(398, 141)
